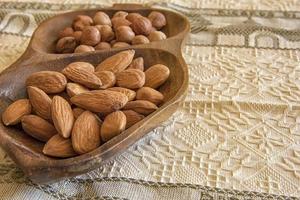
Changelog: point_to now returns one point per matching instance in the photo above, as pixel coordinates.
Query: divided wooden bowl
(27, 152)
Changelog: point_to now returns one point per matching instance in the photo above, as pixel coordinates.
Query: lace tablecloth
(237, 134)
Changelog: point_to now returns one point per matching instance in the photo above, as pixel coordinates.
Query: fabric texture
(237, 135)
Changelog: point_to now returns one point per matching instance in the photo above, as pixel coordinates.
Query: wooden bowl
(27, 152)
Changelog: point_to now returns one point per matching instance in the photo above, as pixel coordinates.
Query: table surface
(236, 135)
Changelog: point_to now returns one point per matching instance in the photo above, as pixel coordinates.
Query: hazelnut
(122, 14)
(84, 18)
(68, 31)
(90, 36)
(124, 34)
(137, 63)
(120, 44)
(101, 18)
(81, 21)
(119, 21)
(106, 32)
(78, 26)
(156, 36)
(157, 19)
(141, 26)
(66, 45)
(84, 48)
(153, 29)
(140, 39)
(102, 46)
(132, 16)
(77, 36)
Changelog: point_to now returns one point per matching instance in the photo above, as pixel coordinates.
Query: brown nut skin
(157, 36)
(124, 34)
(107, 78)
(152, 29)
(119, 21)
(130, 78)
(150, 94)
(101, 18)
(85, 18)
(77, 112)
(137, 63)
(102, 46)
(157, 19)
(86, 133)
(13, 114)
(66, 32)
(141, 26)
(113, 42)
(59, 147)
(79, 26)
(90, 36)
(120, 45)
(132, 16)
(140, 39)
(121, 13)
(66, 45)
(132, 117)
(113, 125)
(106, 32)
(81, 21)
(38, 127)
(77, 36)
(156, 75)
(83, 48)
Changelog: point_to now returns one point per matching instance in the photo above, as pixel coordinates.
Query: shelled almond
(65, 109)
(100, 32)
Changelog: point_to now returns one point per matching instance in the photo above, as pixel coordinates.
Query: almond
(86, 133)
(150, 94)
(117, 62)
(137, 63)
(129, 93)
(75, 88)
(113, 125)
(60, 147)
(48, 81)
(132, 117)
(141, 106)
(63, 95)
(37, 127)
(131, 78)
(77, 112)
(103, 101)
(77, 72)
(107, 78)
(156, 75)
(40, 101)
(15, 111)
(62, 116)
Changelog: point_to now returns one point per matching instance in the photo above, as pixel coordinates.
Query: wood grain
(27, 152)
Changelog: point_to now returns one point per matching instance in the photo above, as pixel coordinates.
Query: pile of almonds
(100, 32)
(118, 91)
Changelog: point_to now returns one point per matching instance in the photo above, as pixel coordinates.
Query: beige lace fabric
(237, 136)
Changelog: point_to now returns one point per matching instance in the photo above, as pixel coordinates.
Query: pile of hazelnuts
(102, 32)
